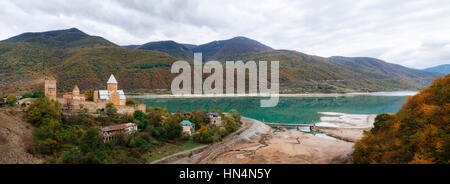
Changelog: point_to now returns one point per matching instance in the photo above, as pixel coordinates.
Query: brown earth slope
(14, 134)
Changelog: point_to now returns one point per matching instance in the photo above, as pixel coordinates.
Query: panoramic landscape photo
(212, 82)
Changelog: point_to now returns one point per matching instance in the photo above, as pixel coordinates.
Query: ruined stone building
(77, 101)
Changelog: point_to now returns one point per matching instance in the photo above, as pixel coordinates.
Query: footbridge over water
(279, 125)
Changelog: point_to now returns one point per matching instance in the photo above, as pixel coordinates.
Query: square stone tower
(50, 88)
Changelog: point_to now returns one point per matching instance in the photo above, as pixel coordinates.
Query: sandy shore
(348, 127)
(386, 93)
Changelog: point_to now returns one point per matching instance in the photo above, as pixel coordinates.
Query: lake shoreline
(381, 93)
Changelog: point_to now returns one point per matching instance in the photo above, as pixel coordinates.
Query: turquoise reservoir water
(289, 109)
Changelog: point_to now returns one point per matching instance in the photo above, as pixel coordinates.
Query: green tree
(140, 119)
(91, 141)
(11, 99)
(38, 94)
(130, 101)
(92, 147)
(43, 109)
(111, 111)
(48, 136)
(230, 123)
(139, 115)
(236, 116)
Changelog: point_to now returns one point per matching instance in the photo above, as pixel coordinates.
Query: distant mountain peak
(71, 37)
(444, 69)
(169, 46)
(241, 38)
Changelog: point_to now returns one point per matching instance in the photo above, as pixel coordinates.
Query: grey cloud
(411, 33)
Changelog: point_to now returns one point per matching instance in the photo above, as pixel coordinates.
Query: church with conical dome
(112, 93)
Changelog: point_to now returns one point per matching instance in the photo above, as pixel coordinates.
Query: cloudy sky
(413, 33)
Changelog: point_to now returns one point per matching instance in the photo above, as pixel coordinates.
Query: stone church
(112, 93)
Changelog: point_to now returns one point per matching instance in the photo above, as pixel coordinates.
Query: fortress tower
(50, 88)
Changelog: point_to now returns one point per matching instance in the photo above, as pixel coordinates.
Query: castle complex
(76, 101)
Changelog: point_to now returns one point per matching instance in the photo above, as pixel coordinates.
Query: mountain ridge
(215, 50)
(444, 69)
(74, 57)
(65, 38)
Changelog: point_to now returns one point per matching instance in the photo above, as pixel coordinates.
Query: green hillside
(61, 38)
(301, 73)
(231, 49)
(171, 47)
(23, 65)
(74, 57)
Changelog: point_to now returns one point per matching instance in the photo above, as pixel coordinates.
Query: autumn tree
(417, 134)
(89, 95)
(11, 99)
(130, 101)
(43, 109)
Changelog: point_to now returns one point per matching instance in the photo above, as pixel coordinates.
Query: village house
(77, 101)
(118, 132)
(26, 102)
(188, 127)
(214, 118)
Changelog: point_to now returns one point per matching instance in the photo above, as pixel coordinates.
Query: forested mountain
(231, 49)
(217, 50)
(444, 69)
(74, 57)
(300, 73)
(61, 38)
(419, 133)
(378, 69)
(170, 47)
